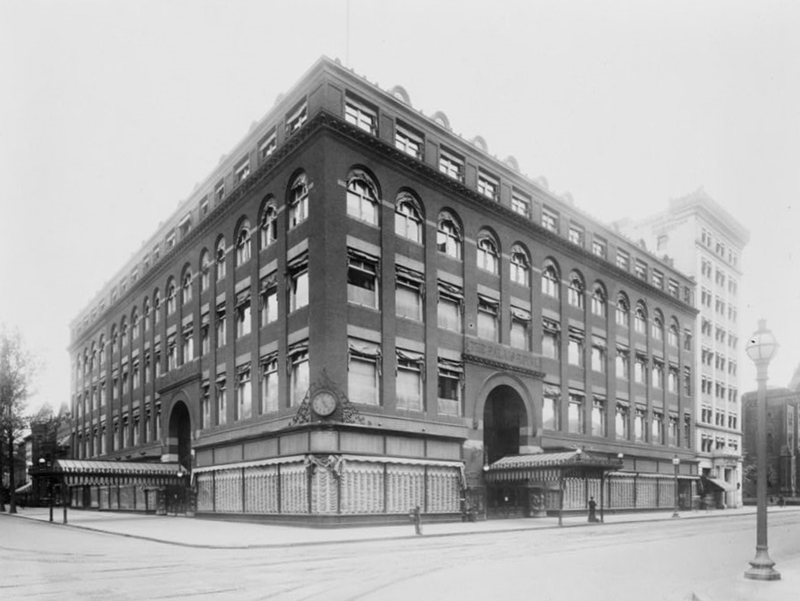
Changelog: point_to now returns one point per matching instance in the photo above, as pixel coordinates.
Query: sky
(111, 111)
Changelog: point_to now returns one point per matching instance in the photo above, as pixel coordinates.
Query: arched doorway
(180, 435)
(504, 417)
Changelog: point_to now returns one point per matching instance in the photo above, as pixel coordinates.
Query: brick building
(359, 312)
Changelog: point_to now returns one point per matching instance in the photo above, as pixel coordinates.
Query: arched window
(156, 307)
(135, 324)
(187, 287)
(520, 266)
(298, 200)
(448, 236)
(269, 225)
(488, 255)
(599, 300)
(575, 290)
(93, 358)
(114, 341)
(672, 334)
(658, 326)
(623, 309)
(362, 197)
(205, 271)
(640, 319)
(171, 298)
(123, 329)
(550, 280)
(243, 251)
(146, 314)
(102, 352)
(408, 218)
(221, 259)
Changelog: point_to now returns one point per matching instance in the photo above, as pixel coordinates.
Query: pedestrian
(781, 501)
(417, 519)
(592, 510)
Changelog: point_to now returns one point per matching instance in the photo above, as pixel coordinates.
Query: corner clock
(323, 403)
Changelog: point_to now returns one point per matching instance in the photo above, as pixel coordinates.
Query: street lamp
(675, 464)
(761, 348)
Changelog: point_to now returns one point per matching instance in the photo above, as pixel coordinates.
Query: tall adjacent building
(700, 238)
(359, 312)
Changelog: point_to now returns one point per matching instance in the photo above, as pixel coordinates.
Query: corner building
(359, 312)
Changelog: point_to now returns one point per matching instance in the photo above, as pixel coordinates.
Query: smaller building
(783, 441)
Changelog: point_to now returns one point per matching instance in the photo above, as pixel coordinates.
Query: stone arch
(179, 432)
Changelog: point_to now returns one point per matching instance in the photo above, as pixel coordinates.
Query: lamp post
(761, 348)
(675, 464)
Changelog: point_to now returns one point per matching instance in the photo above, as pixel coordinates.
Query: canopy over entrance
(78, 472)
(551, 467)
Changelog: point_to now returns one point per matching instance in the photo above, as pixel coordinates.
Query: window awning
(549, 467)
(103, 473)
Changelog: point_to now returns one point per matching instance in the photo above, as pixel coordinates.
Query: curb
(369, 539)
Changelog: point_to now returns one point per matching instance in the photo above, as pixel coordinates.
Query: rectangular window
(658, 279)
(549, 219)
(575, 347)
(269, 383)
(657, 429)
(269, 299)
(488, 326)
(451, 164)
(363, 378)
(268, 145)
(623, 260)
(187, 343)
(599, 417)
(242, 171)
(488, 186)
(576, 234)
(550, 336)
(296, 117)
(205, 405)
(219, 192)
(641, 270)
(408, 293)
(243, 317)
(520, 328)
(450, 301)
(658, 374)
(408, 140)
(674, 288)
(598, 354)
(222, 399)
(576, 400)
(203, 207)
(640, 369)
(298, 373)
(622, 420)
(550, 406)
(520, 203)
(623, 363)
(171, 239)
(172, 353)
(205, 342)
(410, 366)
(361, 114)
(221, 326)
(449, 386)
(298, 283)
(362, 279)
(639, 424)
(244, 403)
(599, 247)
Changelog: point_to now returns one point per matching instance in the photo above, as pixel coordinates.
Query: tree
(17, 369)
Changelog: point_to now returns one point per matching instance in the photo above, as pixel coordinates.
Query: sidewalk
(217, 534)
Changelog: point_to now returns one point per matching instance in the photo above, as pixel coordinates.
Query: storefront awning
(549, 467)
(713, 484)
(82, 472)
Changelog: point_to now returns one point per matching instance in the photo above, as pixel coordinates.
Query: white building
(706, 242)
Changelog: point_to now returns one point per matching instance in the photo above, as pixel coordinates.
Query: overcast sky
(111, 111)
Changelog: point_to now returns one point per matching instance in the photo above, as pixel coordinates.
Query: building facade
(706, 242)
(359, 312)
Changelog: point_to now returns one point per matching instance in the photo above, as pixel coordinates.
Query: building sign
(498, 356)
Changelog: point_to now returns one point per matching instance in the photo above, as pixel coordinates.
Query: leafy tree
(17, 369)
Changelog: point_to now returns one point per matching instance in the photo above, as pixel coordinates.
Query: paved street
(665, 559)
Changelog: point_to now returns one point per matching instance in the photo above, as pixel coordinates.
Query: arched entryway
(180, 435)
(505, 421)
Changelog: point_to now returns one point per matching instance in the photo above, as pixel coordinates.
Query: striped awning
(77, 472)
(549, 467)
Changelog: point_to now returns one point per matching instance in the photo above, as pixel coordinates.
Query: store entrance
(504, 425)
